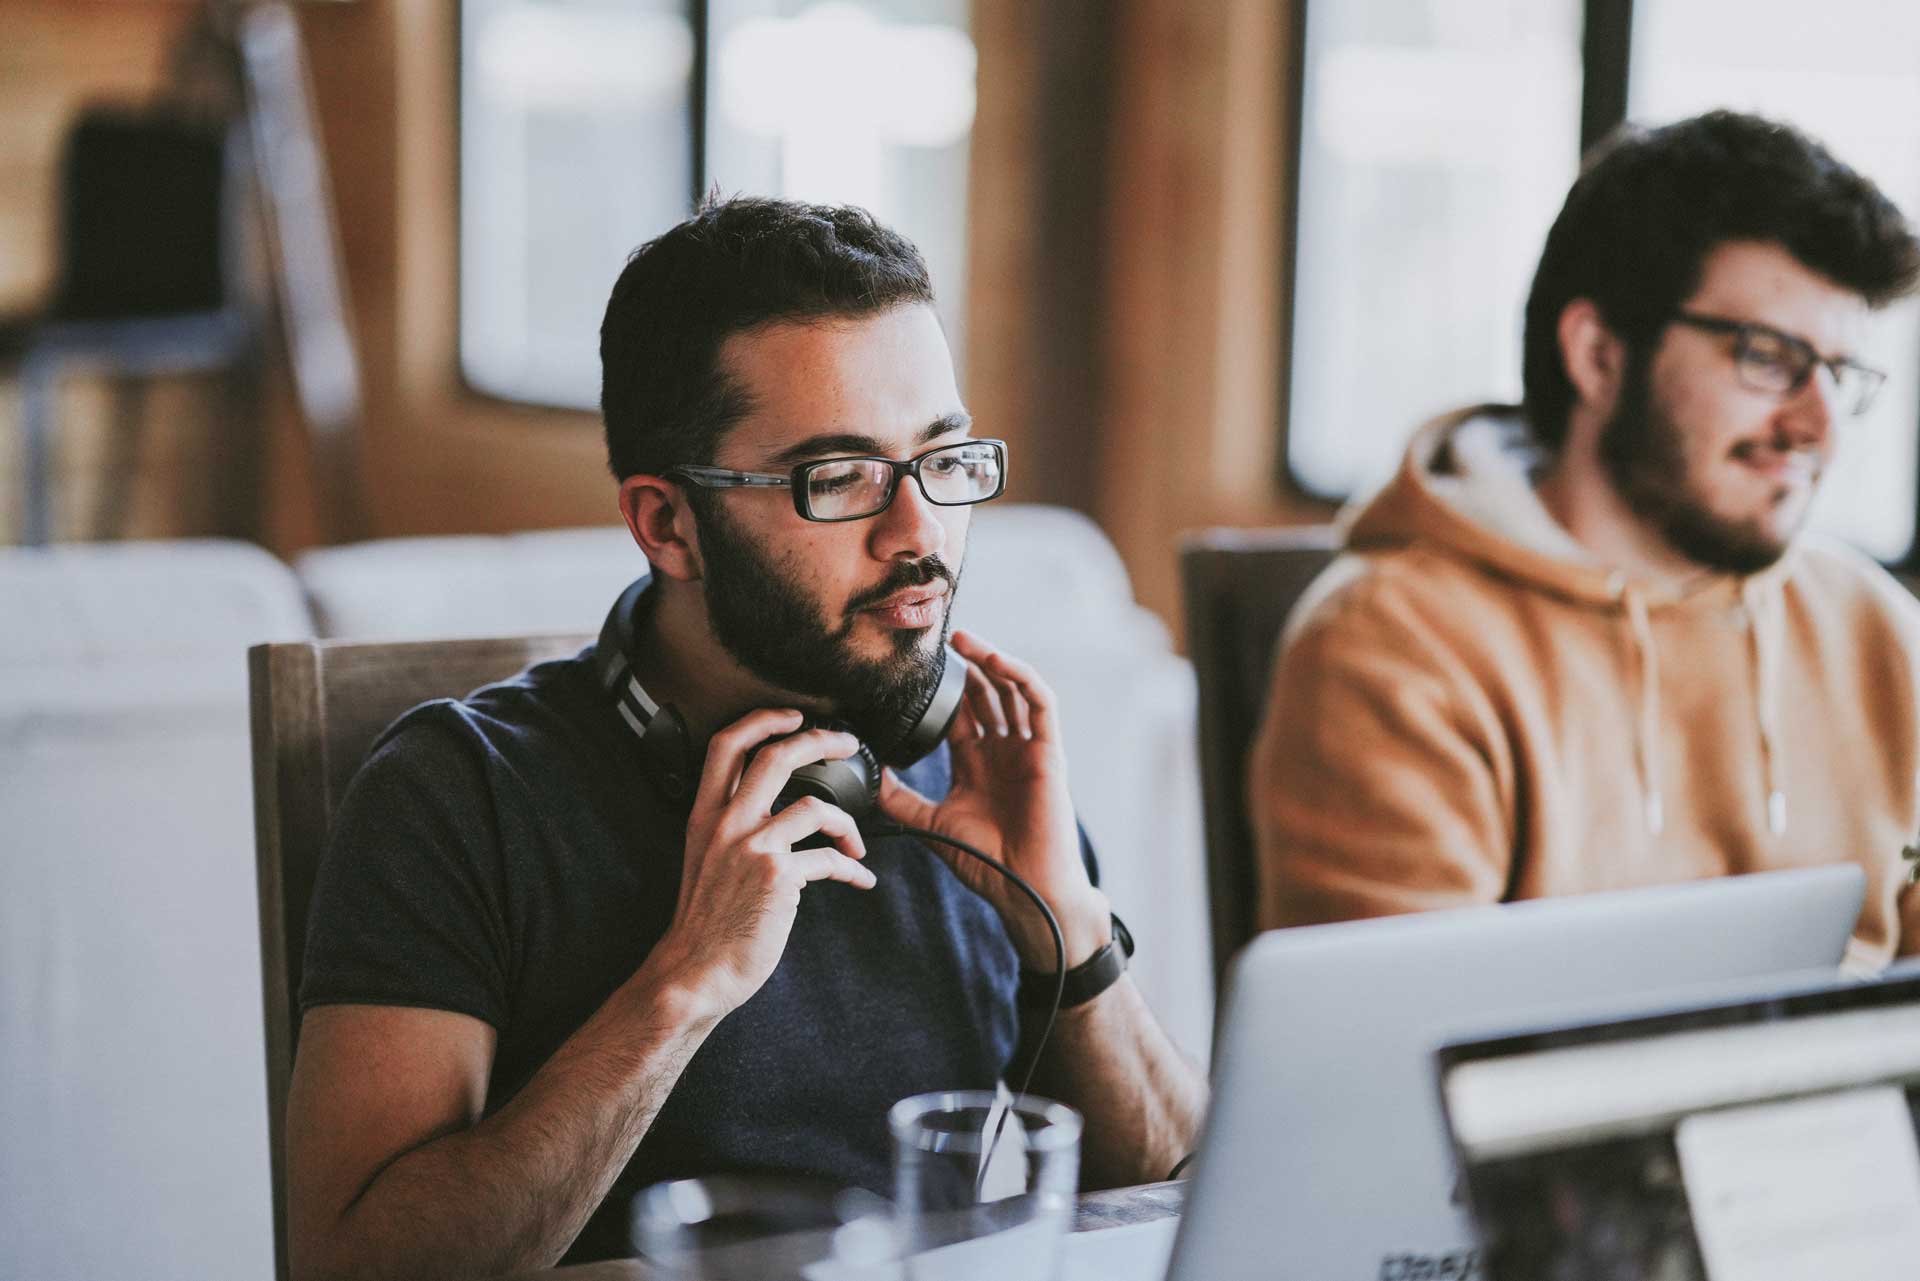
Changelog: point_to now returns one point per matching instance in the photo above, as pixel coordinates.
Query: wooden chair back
(317, 707)
(1238, 586)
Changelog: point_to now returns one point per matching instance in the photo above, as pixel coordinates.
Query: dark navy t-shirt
(506, 857)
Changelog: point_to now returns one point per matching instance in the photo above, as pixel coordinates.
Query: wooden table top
(1115, 1208)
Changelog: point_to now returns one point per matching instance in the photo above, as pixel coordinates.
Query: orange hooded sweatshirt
(1469, 707)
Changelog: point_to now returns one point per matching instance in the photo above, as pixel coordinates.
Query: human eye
(1775, 356)
(834, 478)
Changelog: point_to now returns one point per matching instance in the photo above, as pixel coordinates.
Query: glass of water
(758, 1225)
(983, 1184)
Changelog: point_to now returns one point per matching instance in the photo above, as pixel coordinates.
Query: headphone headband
(665, 745)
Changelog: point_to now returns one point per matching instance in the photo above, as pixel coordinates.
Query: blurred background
(1202, 263)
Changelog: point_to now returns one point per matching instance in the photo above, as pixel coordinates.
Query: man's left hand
(1009, 800)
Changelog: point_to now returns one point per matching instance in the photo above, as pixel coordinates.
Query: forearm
(513, 1191)
(1143, 1099)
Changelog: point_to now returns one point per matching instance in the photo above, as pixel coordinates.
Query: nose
(1807, 416)
(910, 528)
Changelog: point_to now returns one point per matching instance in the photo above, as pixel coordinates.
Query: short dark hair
(736, 264)
(1651, 204)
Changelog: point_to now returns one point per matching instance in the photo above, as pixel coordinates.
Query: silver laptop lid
(1325, 1157)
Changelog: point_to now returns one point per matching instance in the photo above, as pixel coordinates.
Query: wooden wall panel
(1127, 302)
(1197, 289)
(1126, 215)
(438, 458)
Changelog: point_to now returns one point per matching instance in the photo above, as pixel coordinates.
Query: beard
(1643, 451)
(769, 626)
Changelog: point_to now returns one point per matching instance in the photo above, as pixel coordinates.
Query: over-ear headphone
(666, 747)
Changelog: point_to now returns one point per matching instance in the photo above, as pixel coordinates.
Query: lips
(1783, 466)
(910, 606)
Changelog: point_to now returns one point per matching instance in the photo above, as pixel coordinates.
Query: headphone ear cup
(852, 784)
(922, 730)
(666, 750)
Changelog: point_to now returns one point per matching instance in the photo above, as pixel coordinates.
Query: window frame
(1606, 57)
(698, 82)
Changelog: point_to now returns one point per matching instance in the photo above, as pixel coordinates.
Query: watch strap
(1086, 980)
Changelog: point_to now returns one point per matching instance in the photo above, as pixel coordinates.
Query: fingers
(903, 804)
(829, 865)
(773, 765)
(1019, 710)
(983, 700)
(1034, 695)
(727, 753)
(1025, 700)
(802, 819)
(809, 815)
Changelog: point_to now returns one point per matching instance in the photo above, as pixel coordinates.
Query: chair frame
(1221, 570)
(317, 707)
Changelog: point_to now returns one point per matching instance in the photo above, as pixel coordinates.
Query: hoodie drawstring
(1762, 626)
(1762, 641)
(1647, 745)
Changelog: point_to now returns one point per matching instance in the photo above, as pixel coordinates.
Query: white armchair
(133, 1101)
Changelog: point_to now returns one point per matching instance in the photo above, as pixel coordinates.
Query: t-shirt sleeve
(408, 905)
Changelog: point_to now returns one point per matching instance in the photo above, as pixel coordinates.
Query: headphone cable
(1059, 966)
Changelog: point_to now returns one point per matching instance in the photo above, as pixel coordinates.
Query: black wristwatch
(1084, 981)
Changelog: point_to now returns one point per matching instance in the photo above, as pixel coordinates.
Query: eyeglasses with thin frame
(1765, 359)
(836, 489)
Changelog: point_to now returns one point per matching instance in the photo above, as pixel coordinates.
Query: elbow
(311, 1261)
(330, 1252)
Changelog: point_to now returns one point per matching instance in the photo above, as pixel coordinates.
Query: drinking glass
(758, 1225)
(983, 1184)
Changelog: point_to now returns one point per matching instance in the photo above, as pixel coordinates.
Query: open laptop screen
(1767, 1139)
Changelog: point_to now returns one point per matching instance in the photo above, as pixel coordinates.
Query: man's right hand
(395, 1172)
(742, 878)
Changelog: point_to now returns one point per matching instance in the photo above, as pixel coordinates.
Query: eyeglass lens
(841, 489)
(1769, 364)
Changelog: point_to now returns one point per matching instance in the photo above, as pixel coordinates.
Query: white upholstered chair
(132, 1101)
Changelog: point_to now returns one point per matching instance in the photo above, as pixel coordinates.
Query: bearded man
(1586, 643)
(568, 940)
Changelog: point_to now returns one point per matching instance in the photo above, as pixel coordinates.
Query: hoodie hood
(1466, 486)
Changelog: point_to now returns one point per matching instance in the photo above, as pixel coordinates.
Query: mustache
(912, 573)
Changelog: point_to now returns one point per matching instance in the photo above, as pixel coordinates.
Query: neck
(1577, 491)
(679, 660)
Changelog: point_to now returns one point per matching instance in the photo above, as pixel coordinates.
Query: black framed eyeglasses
(1765, 359)
(833, 489)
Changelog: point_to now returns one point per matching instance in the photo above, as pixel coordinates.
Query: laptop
(1325, 1157)
(1762, 1139)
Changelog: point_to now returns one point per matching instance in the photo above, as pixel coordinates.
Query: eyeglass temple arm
(721, 478)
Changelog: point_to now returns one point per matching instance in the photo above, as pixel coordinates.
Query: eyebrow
(1840, 358)
(828, 444)
(1843, 358)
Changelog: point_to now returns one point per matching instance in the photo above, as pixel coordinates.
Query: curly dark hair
(734, 265)
(1651, 204)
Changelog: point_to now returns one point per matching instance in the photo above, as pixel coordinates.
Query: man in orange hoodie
(1584, 643)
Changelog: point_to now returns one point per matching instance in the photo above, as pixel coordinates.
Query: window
(576, 144)
(841, 103)
(589, 126)
(1438, 139)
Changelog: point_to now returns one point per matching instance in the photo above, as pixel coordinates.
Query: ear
(661, 521)
(1595, 358)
